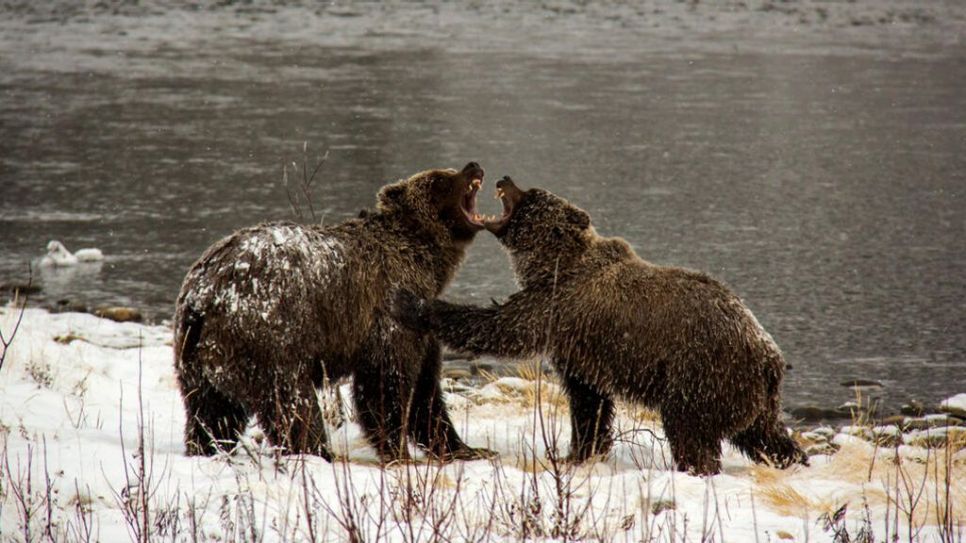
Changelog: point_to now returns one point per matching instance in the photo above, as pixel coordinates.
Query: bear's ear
(392, 196)
(578, 217)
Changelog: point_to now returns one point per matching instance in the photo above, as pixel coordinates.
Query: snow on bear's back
(266, 272)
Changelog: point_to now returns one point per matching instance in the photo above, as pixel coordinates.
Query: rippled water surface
(827, 190)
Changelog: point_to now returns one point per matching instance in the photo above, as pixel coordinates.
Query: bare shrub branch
(5, 341)
(299, 193)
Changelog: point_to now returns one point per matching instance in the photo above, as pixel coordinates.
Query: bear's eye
(440, 189)
(439, 182)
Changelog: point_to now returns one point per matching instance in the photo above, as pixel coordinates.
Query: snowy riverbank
(80, 396)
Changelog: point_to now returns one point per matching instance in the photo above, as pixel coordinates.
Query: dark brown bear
(267, 313)
(616, 326)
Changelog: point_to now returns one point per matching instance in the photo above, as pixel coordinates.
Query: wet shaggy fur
(269, 312)
(616, 326)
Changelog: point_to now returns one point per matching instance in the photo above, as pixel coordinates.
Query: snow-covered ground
(80, 397)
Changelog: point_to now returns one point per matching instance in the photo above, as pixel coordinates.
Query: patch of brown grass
(851, 463)
(531, 370)
(68, 338)
(953, 439)
(763, 474)
(785, 500)
(528, 465)
(550, 396)
(888, 477)
(551, 393)
(642, 414)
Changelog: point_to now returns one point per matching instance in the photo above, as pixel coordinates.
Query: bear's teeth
(476, 183)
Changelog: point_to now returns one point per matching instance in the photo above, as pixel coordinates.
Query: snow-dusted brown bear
(270, 311)
(616, 326)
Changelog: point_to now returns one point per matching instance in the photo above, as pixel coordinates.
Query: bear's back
(280, 277)
(645, 305)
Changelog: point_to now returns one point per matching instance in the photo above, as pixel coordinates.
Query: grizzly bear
(269, 313)
(615, 326)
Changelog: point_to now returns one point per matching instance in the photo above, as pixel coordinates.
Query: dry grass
(641, 414)
(526, 395)
(68, 338)
(784, 499)
(763, 474)
(952, 439)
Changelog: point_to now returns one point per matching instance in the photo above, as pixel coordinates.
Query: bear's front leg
(695, 443)
(382, 389)
(505, 330)
(591, 415)
(429, 422)
(766, 440)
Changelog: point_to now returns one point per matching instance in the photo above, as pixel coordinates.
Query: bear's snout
(473, 170)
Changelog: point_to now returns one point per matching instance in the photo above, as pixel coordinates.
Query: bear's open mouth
(510, 196)
(468, 203)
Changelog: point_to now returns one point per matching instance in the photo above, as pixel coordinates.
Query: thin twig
(302, 194)
(6, 341)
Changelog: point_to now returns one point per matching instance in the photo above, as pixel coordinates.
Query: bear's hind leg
(213, 422)
(591, 415)
(429, 422)
(290, 415)
(767, 440)
(696, 447)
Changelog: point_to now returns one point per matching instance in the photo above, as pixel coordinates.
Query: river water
(826, 188)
